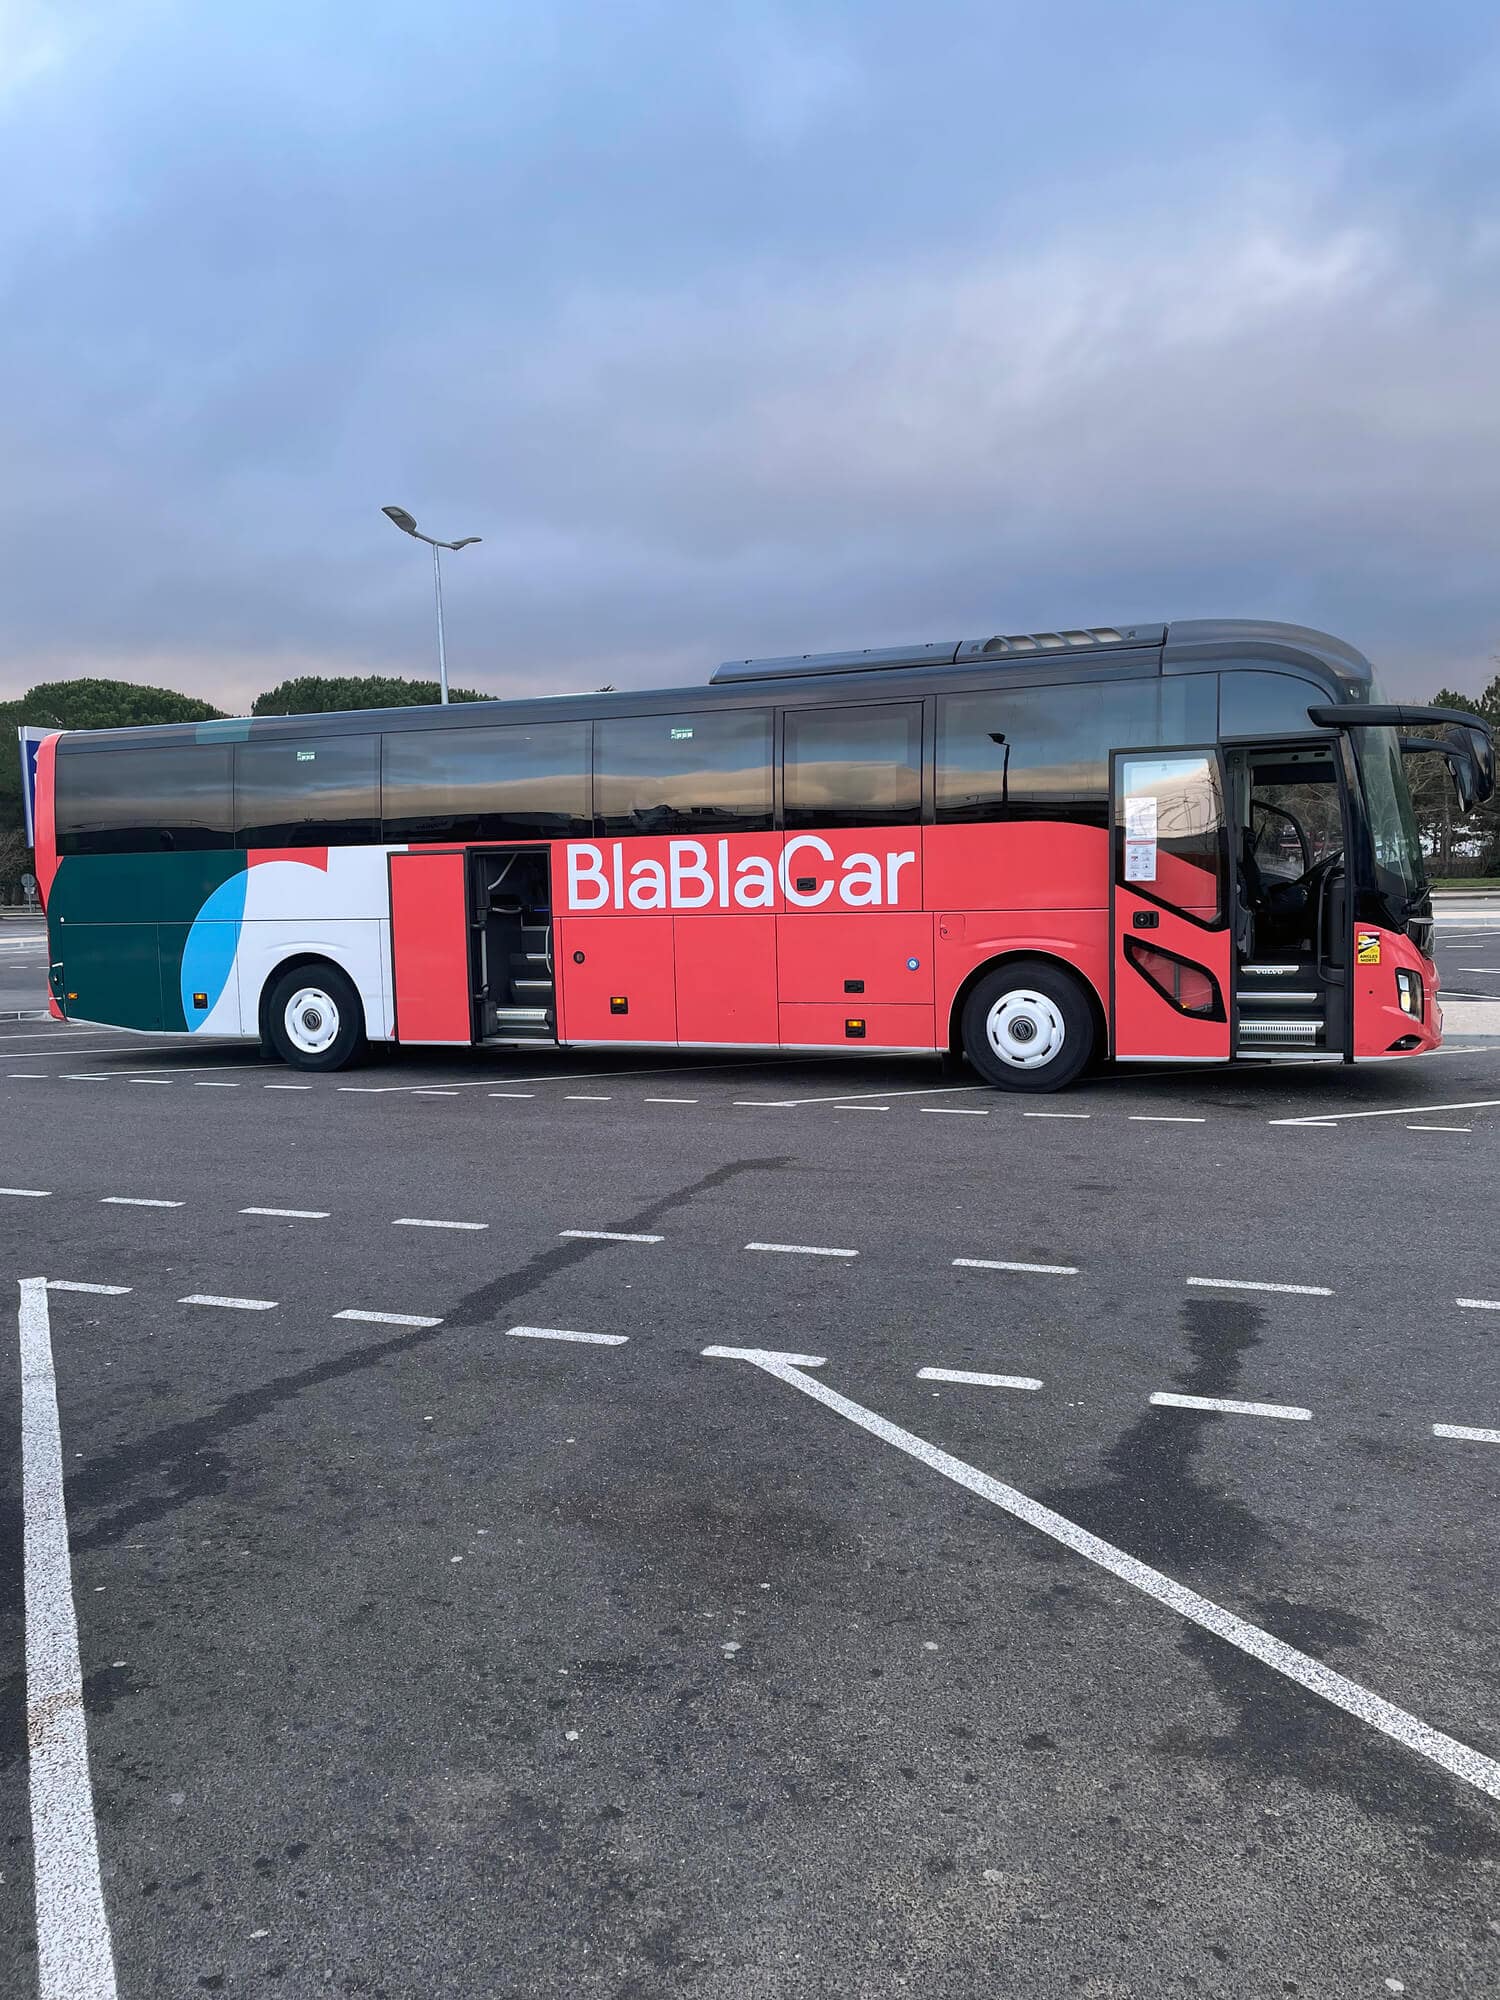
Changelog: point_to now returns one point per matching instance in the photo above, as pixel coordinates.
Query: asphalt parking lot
(631, 1526)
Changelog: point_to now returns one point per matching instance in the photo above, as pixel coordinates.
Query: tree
(318, 694)
(80, 704)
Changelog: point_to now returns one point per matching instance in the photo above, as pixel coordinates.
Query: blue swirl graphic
(208, 955)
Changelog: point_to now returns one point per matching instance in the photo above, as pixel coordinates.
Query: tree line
(1463, 846)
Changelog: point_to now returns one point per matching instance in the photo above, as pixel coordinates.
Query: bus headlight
(1409, 992)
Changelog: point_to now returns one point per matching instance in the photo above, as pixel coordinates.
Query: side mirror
(1465, 753)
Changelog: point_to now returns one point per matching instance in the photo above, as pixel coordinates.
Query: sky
(742, 329)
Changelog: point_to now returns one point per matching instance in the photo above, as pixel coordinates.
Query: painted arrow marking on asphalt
(1457, 1758)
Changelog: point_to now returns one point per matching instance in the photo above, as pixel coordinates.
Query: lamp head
(407, 523)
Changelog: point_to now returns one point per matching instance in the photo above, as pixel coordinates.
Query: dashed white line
(136, 1201)
(512, 1093)
(564, 1333)
(429, 1091)
(975, 1379)
(26, 1076)
(74, 1285)
(1479, 1305)
(387, 1319)
(75, 1958)
(218, 1083)
(433, 1222)
(861, 1107)
(1466, 1431)
(81, 1076)
(584, 1097)
(802, 1249)
(1057, 1114)
(1440, 1128)
(669, 1100)
(952, 1111)
(28, 1194)
(286, 1086)
(609, 1236)
(1005, 1264)
(1162, 1118)
(1166, 1399)
(234, 1305)
(1261, 1285)
(1461, 1761)
(292, 1214)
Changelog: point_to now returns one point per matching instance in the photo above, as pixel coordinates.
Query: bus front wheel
(1028, 1026)
(314, 1019)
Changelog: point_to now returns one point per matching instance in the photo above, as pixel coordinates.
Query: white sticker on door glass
(1140, 861)
(1140, 818)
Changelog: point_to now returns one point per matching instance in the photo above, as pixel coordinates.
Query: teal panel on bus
(136, 888)
(111, 973)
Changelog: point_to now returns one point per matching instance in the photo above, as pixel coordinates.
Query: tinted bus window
(143, 801)
(853, 766)
(1266, 704)
(511, 783)
(307, 792)
(701, 772)
(1043, 752)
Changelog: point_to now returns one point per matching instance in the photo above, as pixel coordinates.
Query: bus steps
(1266, 1033)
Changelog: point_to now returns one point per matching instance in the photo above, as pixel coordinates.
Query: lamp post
(399, 517)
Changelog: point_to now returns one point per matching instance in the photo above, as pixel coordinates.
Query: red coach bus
(1169, 844)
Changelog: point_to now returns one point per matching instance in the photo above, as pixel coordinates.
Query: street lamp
(399, 517)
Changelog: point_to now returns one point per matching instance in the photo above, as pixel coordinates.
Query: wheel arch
(1031, 955)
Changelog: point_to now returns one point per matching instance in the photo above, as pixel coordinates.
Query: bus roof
(1067, 654)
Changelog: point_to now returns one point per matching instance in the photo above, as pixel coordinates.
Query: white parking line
(609, 1236)
(1394, 1111)
(802, 1249)
(1057, 1114)
(562, 1333)
(218, 1083)
(1466, 1431)
(135, 1201)
(26, 1076)
(977, 1380)
(861, 1107)
(74, 1285)
(1260, 1285)
(669, 1100)
(286, 1086)
(1167, 1400)
(952, 1111)
(1479, 1305)
(387, 1319)
(75, 1959)
(1004, 1264)
(432, 1091)
(512, 1093)
(28, 1194)
(1162, 1118)
(1472, 1766)
(431, 1222)
(292, 1214)
(235, 1305)
(584, 1097)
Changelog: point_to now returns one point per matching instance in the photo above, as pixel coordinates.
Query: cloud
(749, 334)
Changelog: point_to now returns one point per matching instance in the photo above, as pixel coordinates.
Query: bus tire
(1028, 1025)
(314, 1019)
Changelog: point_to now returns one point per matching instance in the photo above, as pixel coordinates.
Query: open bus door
(1171, 898)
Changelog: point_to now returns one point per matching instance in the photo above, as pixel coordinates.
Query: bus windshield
(1399, 865)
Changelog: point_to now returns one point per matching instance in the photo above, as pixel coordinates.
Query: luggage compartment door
(430, 947)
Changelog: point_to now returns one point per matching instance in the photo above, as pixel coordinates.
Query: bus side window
(516, 782)
(856, 766)
(307, 792)
(706, 771)
(1043, 752)
(143, 800)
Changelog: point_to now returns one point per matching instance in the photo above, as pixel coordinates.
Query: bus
(1171, 844)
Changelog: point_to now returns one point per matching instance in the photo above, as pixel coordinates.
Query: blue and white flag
(30, 738)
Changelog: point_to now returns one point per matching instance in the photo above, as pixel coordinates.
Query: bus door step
(1272, 1034)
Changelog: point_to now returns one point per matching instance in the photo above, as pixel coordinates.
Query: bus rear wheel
(1028, 1026)
(314, 1019)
